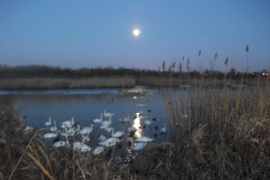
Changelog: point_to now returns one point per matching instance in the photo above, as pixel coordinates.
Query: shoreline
(116, 82)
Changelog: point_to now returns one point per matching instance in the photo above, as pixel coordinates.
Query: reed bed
(221, 133)
(216, 133)
(110, 82)
(66, 83)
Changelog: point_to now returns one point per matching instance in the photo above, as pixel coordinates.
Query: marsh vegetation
(216, 132)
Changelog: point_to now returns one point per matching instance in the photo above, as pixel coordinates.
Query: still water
(86, 105)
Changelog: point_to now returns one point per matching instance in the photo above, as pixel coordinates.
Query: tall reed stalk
(224, 133)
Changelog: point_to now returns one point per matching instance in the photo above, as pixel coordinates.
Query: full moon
(136, 32)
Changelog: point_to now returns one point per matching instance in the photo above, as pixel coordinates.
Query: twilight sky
(98, 33)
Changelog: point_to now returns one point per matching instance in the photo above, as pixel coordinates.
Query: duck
(53, 128)
(48, 123)
(86, 130)
(98, 120)
(98, 150)
(144, 139)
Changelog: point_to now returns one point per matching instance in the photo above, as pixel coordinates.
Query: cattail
(200, 52)
(216, 55)
(164, 66)
(247, 49)
(226, 61)
(183, 58)
(173, 66)
(212, 63)
(188, 64)
(180, 67)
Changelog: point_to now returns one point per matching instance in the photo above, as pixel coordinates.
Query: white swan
(53, 128)
(110, 129)
(102, 138)
(28, 129)
(118, 134)
(68, 124)
(164, 129)
(50, 135)
(70, 131)
(106, 124)
(144, 139)
(107, 114)
(139, 146)
(77, 145)
(110, 142)
(48, 123)
(80, 146)
(97, 120)
(98, 150)
(85, 148)
(61, 144)
(185, 116)
(125, 119)
(147, 122)
(87, 130)
(85, 138)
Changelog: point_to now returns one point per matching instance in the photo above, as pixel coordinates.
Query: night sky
(86, 33)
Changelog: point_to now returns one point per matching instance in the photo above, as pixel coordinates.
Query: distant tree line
(42, 71)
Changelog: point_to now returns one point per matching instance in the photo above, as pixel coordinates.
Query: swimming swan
(144, 139)
(48, 123)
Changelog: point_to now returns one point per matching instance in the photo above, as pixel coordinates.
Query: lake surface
(86, 105)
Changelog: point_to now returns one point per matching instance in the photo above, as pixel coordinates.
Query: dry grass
(25, 156)
(226, 134)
